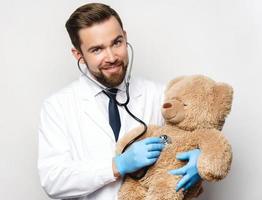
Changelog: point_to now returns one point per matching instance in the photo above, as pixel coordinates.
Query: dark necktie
(114, 118)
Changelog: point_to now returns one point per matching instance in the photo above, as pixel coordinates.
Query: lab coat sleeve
(60, 175)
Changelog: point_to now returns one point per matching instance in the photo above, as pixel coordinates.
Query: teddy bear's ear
(223, 101)
(174, 81)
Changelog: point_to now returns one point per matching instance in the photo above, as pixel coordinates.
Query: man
(80, 124)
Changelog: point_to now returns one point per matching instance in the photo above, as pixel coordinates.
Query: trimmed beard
(112, 81)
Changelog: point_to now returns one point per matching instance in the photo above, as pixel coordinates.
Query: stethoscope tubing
(125, 104)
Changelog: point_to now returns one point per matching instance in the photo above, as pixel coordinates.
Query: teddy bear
(194, 110)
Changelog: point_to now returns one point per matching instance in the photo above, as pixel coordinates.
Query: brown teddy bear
(194, 109)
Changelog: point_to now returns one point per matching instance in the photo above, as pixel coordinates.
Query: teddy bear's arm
(216, 154)
(132, 134)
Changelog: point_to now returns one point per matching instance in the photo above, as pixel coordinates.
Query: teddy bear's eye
(185, 104)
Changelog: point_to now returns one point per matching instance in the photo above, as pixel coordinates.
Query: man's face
(104, 50)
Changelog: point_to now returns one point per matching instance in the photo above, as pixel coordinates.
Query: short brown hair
(85, 16)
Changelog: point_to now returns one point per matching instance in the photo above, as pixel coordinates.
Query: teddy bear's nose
(167, 105)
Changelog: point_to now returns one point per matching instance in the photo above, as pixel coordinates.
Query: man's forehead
(101, 33)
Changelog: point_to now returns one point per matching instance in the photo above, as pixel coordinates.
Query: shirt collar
(94, 84)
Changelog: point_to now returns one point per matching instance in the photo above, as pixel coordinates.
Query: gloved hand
(140, 154)
(189, 171)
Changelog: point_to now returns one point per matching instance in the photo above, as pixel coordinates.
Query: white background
(218, 38)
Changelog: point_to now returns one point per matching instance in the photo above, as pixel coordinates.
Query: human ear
(78, 55)
(125, 35)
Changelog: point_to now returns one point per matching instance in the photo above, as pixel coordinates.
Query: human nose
(110, 56)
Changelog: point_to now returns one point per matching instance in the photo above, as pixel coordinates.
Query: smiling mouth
(116, 65)
(111, 70)
(111, 67)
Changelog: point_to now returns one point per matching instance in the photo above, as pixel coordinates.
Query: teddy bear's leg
(131, 190)
(164, 188)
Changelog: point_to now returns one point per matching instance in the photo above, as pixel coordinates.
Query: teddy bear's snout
(167, 105)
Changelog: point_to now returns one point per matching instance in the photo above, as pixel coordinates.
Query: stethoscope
(124, 104)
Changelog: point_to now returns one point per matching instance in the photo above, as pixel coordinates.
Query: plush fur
(194, 110)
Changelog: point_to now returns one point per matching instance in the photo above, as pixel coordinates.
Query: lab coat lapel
(92, 110)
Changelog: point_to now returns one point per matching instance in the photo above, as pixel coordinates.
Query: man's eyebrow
(117, 38)
(102, 46)
(95, 47)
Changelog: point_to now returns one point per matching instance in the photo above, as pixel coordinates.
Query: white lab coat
(76, 142)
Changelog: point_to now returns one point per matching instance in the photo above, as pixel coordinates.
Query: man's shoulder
(64, 93)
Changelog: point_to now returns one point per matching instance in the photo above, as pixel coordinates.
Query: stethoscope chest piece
(165, 139)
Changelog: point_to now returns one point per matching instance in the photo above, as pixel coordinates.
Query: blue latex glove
(189, 171)
(140, 154)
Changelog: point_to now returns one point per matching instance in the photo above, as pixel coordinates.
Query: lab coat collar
(88, 89)
(87, 92)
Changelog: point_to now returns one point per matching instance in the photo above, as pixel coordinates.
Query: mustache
(116, 63)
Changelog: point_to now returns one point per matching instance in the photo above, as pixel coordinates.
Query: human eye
(118, 42)
(96, 51)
